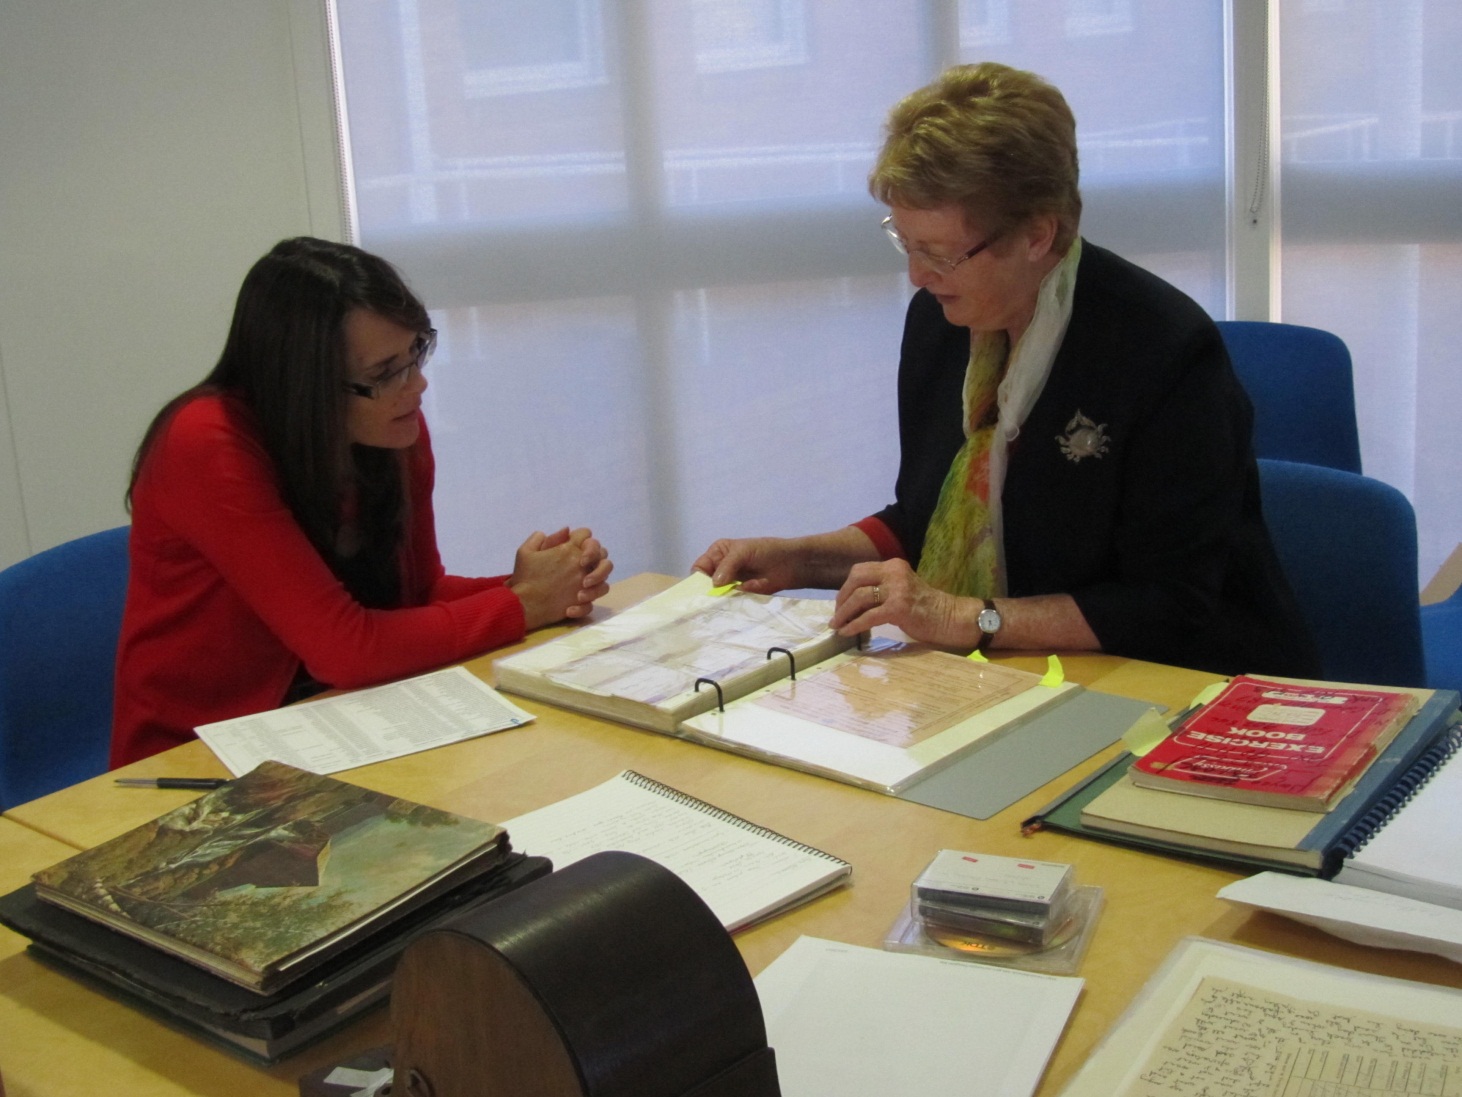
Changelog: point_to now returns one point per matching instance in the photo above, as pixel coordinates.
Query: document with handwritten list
(745, 872)
(1220, 1018)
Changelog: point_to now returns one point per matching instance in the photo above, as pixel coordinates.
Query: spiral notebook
(1411, 843)
(743, 871)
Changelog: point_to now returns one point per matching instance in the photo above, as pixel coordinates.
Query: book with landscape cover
(763, 676)
(1262, 741)
(1107, 805)
(259, 1027)
(267, 877)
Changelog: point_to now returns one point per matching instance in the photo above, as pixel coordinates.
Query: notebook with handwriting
(743, 871)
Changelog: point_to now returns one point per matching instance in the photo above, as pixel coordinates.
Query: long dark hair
(285, 360)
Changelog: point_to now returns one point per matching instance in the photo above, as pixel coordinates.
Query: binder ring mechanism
(790, 659)
(720, 697)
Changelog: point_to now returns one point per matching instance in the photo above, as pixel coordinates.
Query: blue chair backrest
(60, 616)
(1441, 638)
(1299, 381)
(1347, 543)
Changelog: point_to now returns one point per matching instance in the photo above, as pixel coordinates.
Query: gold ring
(878, 596)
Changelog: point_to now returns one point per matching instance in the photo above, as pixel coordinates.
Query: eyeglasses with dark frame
(421, 352)
(938, 262)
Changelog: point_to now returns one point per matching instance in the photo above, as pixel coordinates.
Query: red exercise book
(1293, 745)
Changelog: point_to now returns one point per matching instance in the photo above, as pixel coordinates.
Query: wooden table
(57, 1038)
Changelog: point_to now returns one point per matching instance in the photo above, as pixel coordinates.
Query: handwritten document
(1244, 1041)
(743, 872)
(1317, 1072)
(368, 725)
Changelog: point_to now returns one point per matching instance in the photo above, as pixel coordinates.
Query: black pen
(173, 782)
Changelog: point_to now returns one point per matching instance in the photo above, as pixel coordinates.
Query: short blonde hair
(995, 141)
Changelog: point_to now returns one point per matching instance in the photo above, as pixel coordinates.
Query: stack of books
(1285, 745)
(1272, 773)
(267, 913)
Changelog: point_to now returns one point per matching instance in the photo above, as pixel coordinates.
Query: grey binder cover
(987, 781)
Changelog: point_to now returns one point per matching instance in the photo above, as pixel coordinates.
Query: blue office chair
(1299, 380)
(1348, 546)
(1441, 640)
(60, 616)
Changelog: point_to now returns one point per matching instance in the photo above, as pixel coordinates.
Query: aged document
(1244, 1041)
(901, 697)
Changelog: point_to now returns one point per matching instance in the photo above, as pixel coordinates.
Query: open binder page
(879, 718)
(1220, 1018)
(642, 666)
(858, 1022)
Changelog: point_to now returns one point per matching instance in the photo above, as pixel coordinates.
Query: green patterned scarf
(959, 547)
(962, 551)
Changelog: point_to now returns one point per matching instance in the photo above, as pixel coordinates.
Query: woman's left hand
(594, 562)
(890, 592)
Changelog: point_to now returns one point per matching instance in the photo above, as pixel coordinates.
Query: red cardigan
(226, 595)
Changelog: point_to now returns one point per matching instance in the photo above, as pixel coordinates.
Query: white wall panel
(152, 150)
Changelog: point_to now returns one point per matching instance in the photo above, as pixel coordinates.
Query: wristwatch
(989, 623)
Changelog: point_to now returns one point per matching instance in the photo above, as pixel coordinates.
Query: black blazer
(1132, 484)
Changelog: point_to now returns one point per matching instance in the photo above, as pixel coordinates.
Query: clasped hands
(559, 575)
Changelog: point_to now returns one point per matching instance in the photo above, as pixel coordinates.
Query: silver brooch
(1083, 438)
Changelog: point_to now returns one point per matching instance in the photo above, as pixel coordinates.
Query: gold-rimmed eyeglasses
(941, 263)
(392, 380)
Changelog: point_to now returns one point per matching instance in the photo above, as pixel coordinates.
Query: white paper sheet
(368, 725)
(858, 1022)
(1356, 914)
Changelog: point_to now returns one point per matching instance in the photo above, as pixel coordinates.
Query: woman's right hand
(763, 565)
(558, 575)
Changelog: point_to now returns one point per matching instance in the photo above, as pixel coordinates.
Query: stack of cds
(983, 899)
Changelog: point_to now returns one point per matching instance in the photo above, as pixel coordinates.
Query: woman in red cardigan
(282, 532)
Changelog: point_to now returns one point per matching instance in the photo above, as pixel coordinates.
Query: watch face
(989, 619)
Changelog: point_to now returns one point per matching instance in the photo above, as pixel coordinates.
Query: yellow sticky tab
(977, 656)
(1206, 694)
(1055, 673)
(717, 592)
(1150, 730)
